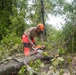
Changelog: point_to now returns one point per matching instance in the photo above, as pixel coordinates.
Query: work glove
(36, 48)
(40, 47)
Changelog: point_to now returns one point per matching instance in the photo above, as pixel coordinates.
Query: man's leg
(26, 45)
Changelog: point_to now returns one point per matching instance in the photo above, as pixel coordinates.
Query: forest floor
(67, 68)
(56, 65)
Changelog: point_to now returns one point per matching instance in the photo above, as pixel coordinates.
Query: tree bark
(12, 65)
(42, 15)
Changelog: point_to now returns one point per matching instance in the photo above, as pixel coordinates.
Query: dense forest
(18, 15)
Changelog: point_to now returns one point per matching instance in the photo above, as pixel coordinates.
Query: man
(28, 38)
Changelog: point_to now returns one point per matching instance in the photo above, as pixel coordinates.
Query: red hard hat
(41, 26)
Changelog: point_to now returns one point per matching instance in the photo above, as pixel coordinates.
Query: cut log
(12, 65)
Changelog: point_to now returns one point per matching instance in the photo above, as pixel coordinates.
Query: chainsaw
(39, 50)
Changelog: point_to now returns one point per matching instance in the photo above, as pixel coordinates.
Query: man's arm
(41, 38)
(31, 42)
(29, 39)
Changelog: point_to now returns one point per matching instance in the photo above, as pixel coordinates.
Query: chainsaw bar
(37, 49)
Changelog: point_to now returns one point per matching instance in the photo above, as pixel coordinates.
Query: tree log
(12, 65)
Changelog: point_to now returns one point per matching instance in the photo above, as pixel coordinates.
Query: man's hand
(42, 47)
(38, 47)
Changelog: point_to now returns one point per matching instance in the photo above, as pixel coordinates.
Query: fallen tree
(12, 65)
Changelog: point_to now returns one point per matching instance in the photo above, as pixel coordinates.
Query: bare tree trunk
(42, 13)
(12, 65)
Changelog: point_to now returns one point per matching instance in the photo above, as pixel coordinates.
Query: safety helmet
(40, 26)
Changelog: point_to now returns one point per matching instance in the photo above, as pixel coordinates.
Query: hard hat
(40, 26)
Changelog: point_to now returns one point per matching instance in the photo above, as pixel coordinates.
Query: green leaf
(55, 63)
(60, 59)
(21, 72)
(61, 51)
(45, 53)
(61, 72)
(69, 60)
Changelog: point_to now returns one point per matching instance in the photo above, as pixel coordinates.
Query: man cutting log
(28, 38)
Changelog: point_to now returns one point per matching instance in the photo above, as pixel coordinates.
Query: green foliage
(12, 25)
(57, 61)
(10, 45)
(69, 60)
(61, 72)
(12, 14)
(45, 54)
(18, 15)
(22, 71)
(61, 51)
(36, 64)
(68, 36)
(5, 11)
(31, 68)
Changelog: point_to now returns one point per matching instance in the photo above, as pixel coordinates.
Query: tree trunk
(42, 15)
(12, 65)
